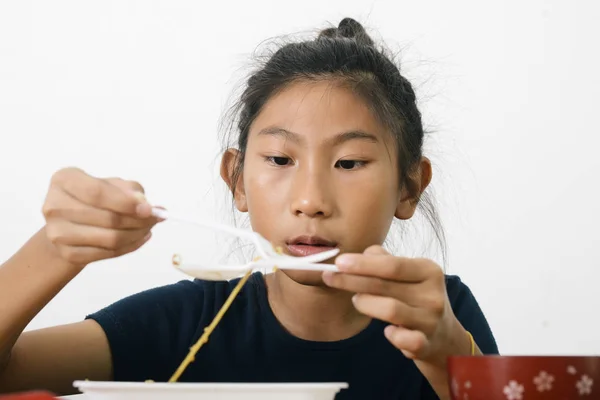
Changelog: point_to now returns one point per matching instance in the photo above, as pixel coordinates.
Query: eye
(278, 161)
(349, 164)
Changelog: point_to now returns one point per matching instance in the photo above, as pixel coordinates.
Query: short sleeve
(470, 315)
(148, 331)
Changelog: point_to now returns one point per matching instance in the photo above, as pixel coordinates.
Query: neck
(316, 313)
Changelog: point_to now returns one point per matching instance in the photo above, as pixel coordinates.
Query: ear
(413, 189)
(229, 163)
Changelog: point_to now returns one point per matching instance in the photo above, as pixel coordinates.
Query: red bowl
(524, 377)
(31, 395)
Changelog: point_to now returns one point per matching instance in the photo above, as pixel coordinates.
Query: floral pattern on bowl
(524, 378)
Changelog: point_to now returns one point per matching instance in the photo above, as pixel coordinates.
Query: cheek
(375, 186)
(266, 194)
(371, 204)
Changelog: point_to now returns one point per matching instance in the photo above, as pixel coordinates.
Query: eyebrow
(336, 140)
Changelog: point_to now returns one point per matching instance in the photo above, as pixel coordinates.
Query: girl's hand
(90, 219)
(408, 293)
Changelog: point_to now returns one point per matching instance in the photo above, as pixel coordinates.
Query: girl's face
(319, 172)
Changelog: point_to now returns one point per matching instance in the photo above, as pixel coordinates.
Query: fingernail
(158, 218)
(355, 298)
(148, 236)
(345, 261)
(327, 276)
(139, 196)
(388, 331)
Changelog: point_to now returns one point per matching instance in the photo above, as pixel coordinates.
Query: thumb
(128, 186)
(414, 344)
(144, 209)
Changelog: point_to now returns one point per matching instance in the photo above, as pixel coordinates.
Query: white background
(510, 90)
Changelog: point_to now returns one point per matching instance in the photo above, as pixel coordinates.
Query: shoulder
(468, 311)
(165, 319)
(458, 292)
(170, 296)
(184, 293)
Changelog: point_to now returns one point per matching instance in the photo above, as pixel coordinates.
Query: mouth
(302, 246)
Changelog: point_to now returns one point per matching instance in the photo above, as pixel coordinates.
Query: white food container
(208, 391)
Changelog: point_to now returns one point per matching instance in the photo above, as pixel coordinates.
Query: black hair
(348, 56)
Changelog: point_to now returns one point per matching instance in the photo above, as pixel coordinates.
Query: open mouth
(306, 245)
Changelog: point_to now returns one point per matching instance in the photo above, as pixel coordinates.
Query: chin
(306, 278)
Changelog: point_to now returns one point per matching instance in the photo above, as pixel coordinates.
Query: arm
(50, 358)
(428, 311)
(437, 376)
(143, 336)
(87, 219)
(469, 317)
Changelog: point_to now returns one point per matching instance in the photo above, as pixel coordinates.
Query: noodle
(176, 260)
(208, 330)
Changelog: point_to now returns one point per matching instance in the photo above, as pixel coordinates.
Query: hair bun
(350, 29)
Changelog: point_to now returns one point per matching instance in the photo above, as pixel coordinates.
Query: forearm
(28, 281)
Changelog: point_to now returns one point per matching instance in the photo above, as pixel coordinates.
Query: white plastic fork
(269, 257)
(227, 272)
(263, 246)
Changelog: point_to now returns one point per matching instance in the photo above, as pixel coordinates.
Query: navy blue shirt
(150, 334)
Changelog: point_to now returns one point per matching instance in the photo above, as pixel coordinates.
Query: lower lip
(303, 250)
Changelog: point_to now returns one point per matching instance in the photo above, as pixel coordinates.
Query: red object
(33, 395)
(524, 377)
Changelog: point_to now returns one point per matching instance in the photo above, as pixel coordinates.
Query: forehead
(318, 110)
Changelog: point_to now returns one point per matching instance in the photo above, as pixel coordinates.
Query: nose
(311, 194)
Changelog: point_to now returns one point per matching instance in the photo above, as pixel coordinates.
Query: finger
(97, 193)
(385, 266)
(387, 309)
(157, 218)
(79, 255)
(411, 342)
(126, 185)
(144, 209)
(409, 293)
(66, 233)
(61, 205)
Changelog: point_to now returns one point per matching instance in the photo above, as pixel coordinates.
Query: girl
(328, 154)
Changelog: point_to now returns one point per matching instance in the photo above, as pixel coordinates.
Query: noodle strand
(208, 330)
